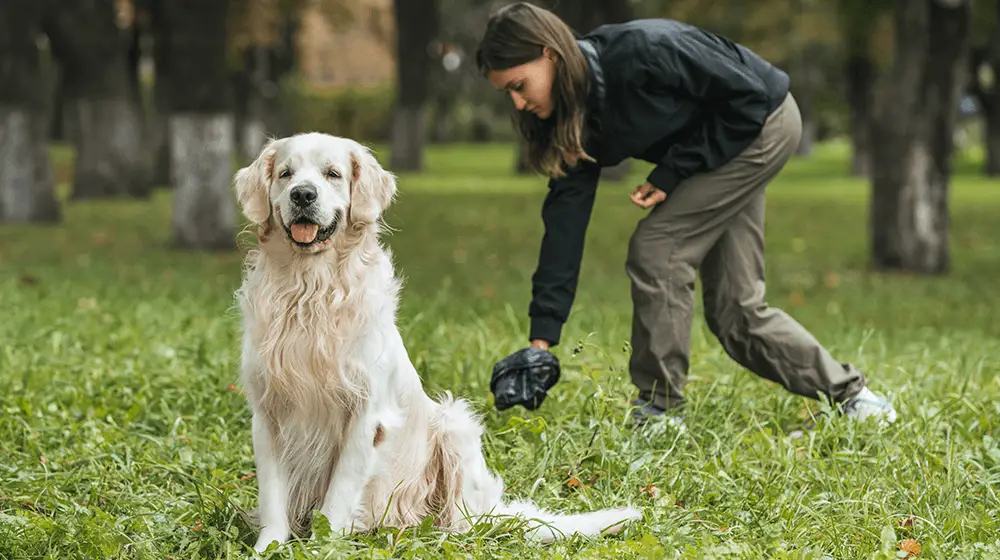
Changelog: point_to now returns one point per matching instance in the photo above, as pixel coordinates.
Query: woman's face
(529, 85)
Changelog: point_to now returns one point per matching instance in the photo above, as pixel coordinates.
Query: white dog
(341, 422)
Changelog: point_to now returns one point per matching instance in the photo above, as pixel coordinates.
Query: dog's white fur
(341, 422)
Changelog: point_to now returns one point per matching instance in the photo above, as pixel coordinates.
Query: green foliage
(362, 112)
(858, 20)
(366, 113)
(122, 436)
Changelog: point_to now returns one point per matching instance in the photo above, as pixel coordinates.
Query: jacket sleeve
(695, 65)
(566, 213)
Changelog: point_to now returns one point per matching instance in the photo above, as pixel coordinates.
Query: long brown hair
(517, 34)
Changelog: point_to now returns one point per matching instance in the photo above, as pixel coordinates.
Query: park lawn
(123, 434)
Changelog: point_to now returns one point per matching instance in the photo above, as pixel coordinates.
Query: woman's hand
(647, 196)
(540, 344)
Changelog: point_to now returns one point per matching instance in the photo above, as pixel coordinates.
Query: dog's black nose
(303, 195)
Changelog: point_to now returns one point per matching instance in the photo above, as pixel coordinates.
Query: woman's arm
(566, 214)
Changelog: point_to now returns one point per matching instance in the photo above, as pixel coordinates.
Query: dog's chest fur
(308, 329)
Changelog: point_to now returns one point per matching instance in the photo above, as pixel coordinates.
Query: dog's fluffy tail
(547, 526)
(464, 477)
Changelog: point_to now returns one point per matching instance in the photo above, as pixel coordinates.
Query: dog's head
(314, 187)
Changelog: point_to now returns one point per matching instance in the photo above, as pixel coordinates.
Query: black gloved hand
(523, 378)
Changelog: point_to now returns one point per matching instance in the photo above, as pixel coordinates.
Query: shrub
(360, 112)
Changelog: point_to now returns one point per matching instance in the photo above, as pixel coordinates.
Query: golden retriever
(341, 423)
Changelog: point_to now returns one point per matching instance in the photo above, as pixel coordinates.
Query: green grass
(122, 436)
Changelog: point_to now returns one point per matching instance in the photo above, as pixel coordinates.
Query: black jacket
(662, 91)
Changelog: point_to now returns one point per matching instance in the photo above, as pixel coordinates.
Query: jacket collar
(595, 98)
(595, 94)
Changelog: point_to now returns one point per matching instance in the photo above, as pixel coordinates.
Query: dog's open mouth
(306, 233)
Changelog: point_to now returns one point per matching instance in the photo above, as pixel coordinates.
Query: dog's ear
(372, 188)
(253, 182)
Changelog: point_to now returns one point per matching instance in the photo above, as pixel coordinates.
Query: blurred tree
(417, 27)
(200, 121)
(149, 25)
(102, 118)
(912, 140)
(858, 21)
(459, 95)
(984, 69)
(262, 54)
(26, 186)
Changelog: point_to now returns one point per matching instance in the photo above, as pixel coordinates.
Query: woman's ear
(253, 183)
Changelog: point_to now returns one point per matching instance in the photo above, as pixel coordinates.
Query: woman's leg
(714, 222)
(763, 339)
(670, 243)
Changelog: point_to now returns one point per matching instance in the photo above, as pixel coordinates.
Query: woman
(718, 123)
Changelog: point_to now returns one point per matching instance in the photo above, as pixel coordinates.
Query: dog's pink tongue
(304, 233)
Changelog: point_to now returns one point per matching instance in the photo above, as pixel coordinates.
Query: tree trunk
(987, 94)
(585, 15)
(202, 146)
(860, 85)
(26, 188)
(159, 138)
(200, 124)
(992, 140)
(260, 112)
(803, 75)
(416, 27)
(254, 132)
(913, 142)
(57, 118)
(857, 22)
(408, 138)
(104, 120)
(804, 93)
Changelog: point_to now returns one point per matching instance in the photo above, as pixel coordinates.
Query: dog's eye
(332, 174)
(285, 173)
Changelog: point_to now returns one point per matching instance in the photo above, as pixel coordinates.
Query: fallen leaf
(797, 298)
(910, 547)
(908, 522)
(574, 482)
(248, 476)
(651, 491)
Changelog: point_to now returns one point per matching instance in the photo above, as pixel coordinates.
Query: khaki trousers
(713, 223)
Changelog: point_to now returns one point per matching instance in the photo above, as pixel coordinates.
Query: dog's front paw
(333, 522)
(267, 536)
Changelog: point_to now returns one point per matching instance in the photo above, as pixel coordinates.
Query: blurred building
(358, 49)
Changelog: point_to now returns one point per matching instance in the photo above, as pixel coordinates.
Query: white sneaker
(646, 411)
(867, 404)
